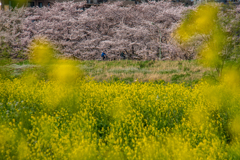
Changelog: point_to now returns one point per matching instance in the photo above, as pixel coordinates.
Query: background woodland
(141, 31)
(84, 34)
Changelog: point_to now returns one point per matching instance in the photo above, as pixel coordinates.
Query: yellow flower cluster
(115, 120)
(204, 22)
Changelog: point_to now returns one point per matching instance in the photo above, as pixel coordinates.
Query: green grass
(125, 70)
(168, 71)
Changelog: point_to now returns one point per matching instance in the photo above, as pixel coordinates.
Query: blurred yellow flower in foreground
(41, 52)
(201, 21)
(65, 71)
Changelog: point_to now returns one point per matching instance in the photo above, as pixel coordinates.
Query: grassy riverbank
(127, 71)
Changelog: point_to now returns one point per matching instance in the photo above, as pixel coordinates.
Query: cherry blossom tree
(109, 27)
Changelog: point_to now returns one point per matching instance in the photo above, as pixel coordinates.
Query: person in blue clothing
(103, 55)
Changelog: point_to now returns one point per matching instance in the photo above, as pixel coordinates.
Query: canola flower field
(103, 120)
(63, 115)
